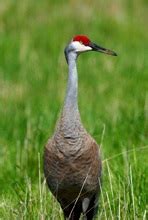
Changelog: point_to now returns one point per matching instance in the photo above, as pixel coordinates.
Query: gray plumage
(72, 163)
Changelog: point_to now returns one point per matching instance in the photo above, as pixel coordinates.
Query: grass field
(113, 100)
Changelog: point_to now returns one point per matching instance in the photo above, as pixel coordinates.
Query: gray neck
(70, 123)
(72, 86)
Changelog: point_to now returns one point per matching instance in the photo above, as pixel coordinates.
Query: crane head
(81, 43)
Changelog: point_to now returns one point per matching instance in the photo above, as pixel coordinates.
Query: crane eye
(81, 42)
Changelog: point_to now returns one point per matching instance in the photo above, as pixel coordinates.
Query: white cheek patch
(80, 47)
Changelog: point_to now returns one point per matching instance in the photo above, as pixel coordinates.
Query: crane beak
(97, 48)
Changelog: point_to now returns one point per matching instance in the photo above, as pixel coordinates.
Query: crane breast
(70, 166)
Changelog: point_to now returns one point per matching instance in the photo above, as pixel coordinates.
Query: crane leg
(92, 209)
(73, 211)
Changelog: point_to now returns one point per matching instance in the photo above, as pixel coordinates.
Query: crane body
(72, 162)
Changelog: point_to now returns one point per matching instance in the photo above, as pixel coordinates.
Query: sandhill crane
(72, 163)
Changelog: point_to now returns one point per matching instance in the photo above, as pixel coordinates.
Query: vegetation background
(113, 100)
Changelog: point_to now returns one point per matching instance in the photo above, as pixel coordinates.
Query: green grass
(113, 100)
